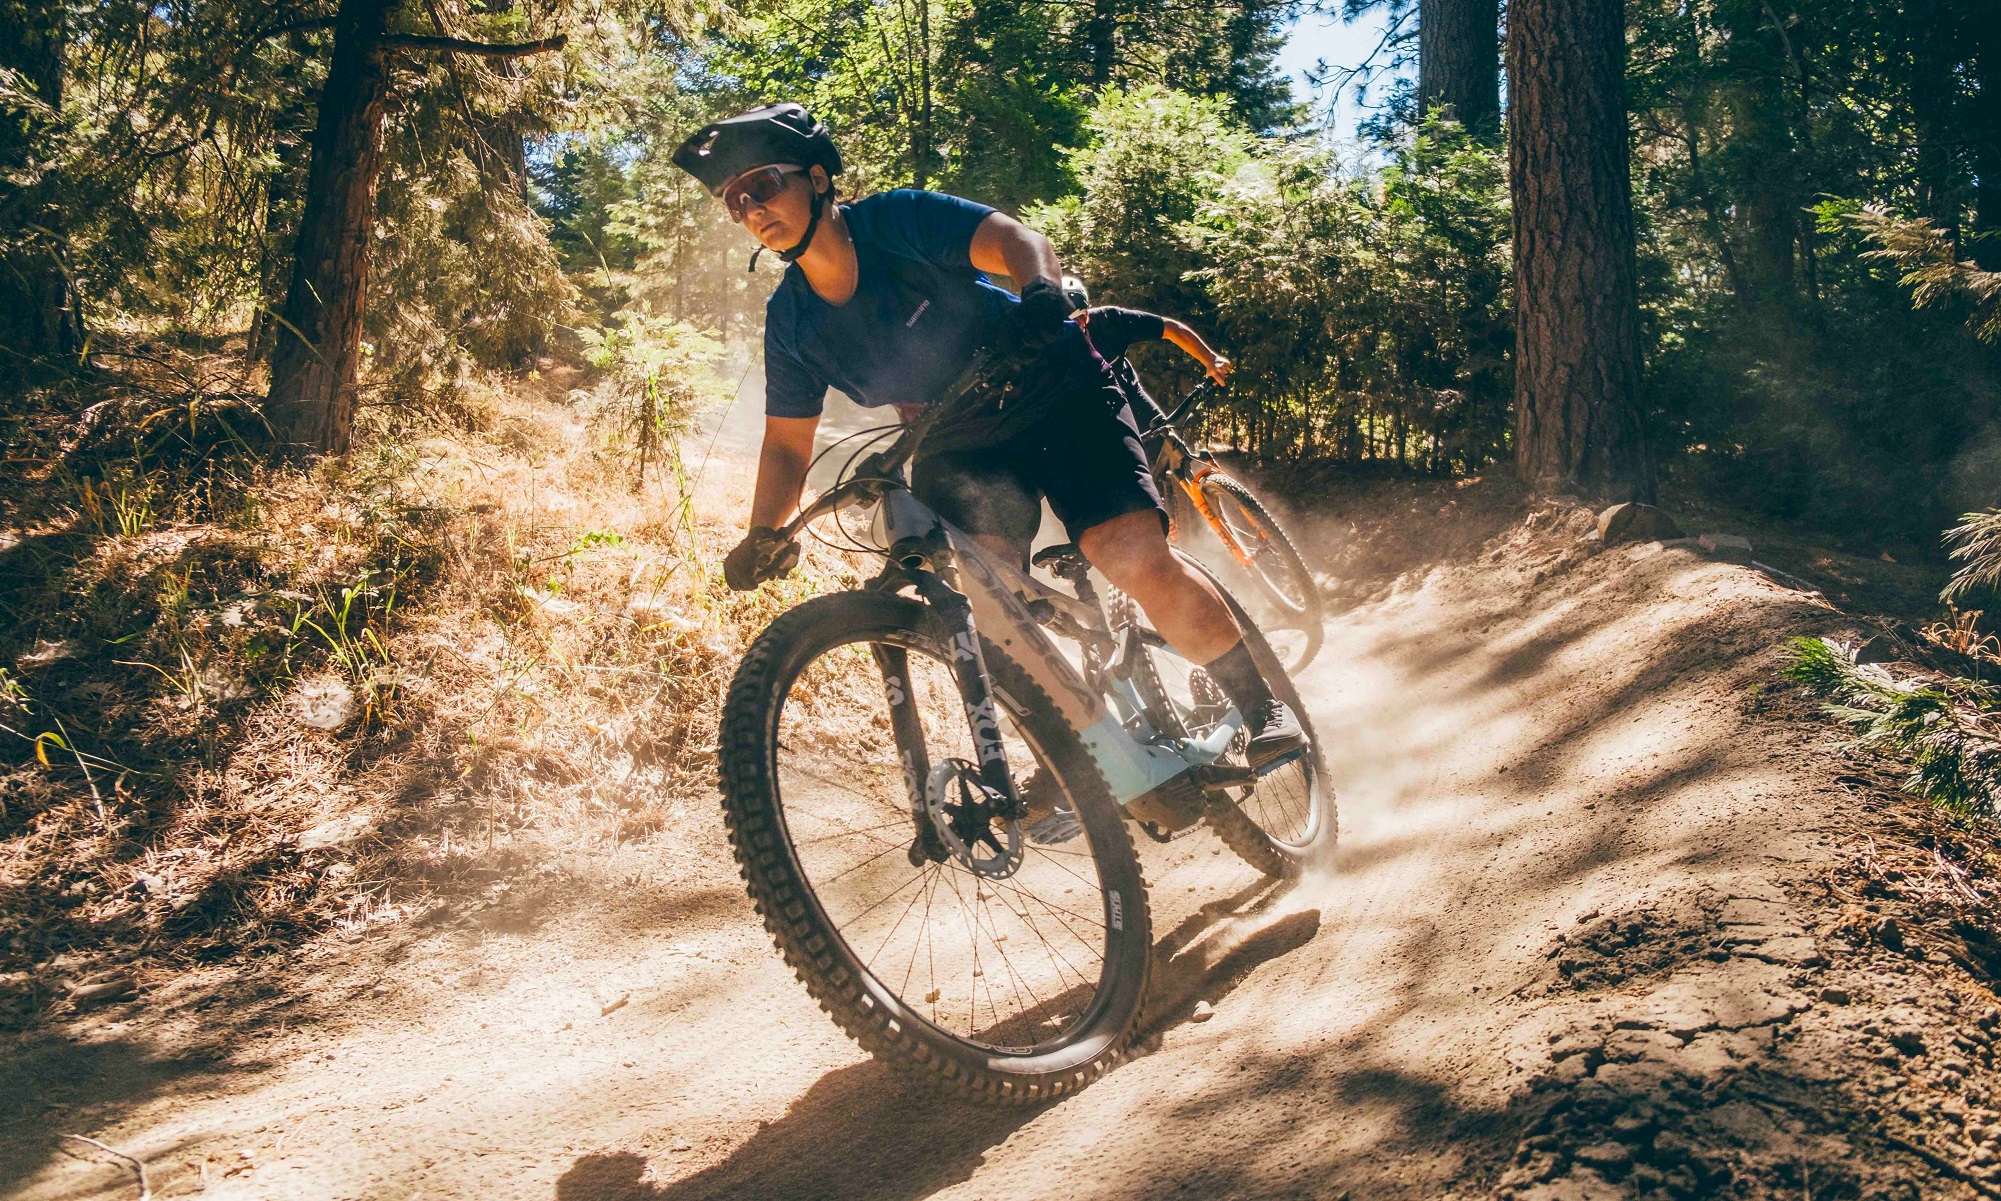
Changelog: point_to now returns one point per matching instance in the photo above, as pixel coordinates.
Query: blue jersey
(919, 313)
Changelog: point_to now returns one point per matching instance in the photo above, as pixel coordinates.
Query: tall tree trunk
(311, 404)
(39, 314)
(920, 139)
(1986, 136)
(1764, 165)
(1101, 36)
(1577, 367)
(1459, 61)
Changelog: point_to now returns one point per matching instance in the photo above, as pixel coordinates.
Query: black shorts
(1083, 455)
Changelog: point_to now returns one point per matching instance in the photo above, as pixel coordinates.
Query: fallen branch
(138, 1165)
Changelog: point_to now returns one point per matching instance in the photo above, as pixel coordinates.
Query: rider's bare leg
(1184, 606)
(1134, 554)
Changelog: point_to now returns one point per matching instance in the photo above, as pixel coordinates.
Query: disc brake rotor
(965, 813)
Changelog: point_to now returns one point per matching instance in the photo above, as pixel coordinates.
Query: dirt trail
(1551, 790)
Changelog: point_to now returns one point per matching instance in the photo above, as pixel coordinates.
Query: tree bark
(1986, 136)
(1101, 38)
(39, 314)
(1577, 368)
(312, 399)
(1459, 61)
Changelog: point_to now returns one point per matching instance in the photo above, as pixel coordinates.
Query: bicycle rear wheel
(1288, 816)
(1005, 985)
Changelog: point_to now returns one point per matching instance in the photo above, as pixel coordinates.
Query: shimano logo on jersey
(919, 313)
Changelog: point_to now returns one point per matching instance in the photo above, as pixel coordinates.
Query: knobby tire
(865, 1008)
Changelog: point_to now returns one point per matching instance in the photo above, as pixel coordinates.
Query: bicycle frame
(1178, 463)
(980, 594)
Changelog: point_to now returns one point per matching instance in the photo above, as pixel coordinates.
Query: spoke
(1090, 945)
(863, 832)
(884, 899)
(1096, 953)
(898, 925)
(1014, 977)
(841, 787)
(849, 871)
(903, 989)
(1092, 885)
(1059, 909)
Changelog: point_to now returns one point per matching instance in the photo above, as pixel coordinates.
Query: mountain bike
(1253, 538)
(927, 782)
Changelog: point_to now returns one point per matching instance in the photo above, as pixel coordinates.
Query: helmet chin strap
(805, 240)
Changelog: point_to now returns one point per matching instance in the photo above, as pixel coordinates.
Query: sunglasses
(754, 189)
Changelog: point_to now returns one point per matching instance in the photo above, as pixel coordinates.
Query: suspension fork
(1191, 483)
(969, 671)
(908, 727)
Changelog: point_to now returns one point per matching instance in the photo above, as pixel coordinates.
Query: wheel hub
(967, 816)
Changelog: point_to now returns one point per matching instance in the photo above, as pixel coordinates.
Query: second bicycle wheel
(1287, 817)
(1295, 620)
(1012, 970)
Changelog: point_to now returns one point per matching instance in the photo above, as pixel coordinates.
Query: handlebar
(987, 367)
(1197, 396)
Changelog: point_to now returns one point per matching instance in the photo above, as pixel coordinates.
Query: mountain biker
(887, 298)
(1113, 330)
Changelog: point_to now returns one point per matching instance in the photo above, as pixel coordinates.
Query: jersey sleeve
(791, 389)
(930, 227)
(1114, 329)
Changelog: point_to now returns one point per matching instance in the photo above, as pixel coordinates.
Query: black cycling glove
(761, 556)
(1038, 319)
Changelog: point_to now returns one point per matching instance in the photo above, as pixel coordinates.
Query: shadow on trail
(866, 1132)
(58, 1087)
(861, 1131)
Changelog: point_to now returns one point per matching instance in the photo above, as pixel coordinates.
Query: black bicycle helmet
(776, 133)
(1076, 293)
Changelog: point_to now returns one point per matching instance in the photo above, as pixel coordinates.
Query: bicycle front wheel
(1296, 623)
(1003, 982)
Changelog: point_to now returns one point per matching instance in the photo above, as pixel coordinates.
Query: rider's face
(781, 221)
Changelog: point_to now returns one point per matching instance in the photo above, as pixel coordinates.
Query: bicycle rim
(1013, 966)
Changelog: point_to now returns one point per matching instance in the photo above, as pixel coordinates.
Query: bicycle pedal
(1290, 757)
(1059, 827)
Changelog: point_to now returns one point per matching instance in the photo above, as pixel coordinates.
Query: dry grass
(315, 702)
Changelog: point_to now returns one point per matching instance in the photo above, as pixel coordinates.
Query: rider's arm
(1192, 344)
(781, 469)
(1004, 246)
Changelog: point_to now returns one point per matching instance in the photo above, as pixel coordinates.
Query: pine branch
(1975, 542)
(1943, 731)
(414, 41)
(1924, 253)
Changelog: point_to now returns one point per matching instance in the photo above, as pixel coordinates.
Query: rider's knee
(1140, 566)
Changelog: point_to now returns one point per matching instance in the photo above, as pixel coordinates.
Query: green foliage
(1943, 730)
(654, 376)
(466, 271)
(1786, 368)
(983, 97)
(1367, 312)
(1932, 271)
(1975, 544)
(1156, 161)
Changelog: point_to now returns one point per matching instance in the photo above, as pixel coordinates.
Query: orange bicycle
(1252, 537)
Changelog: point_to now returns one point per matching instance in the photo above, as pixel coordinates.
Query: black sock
(1239, 678)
